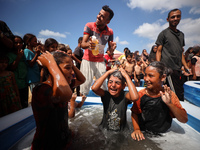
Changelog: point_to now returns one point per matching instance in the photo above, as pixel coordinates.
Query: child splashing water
(115, 100)
(49, 102)
(157, 104)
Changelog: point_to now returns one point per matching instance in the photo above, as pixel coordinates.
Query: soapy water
(88, 136)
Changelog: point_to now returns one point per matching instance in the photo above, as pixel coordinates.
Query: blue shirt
(33, 75)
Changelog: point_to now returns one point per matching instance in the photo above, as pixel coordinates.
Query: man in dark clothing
(170, 44)
(78, 53)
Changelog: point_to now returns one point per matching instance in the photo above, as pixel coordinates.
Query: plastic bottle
(95, 51)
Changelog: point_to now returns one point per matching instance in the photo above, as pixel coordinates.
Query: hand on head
(45, 59)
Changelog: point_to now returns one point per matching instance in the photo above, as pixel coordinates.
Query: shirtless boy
(138, 71)
(129, 65)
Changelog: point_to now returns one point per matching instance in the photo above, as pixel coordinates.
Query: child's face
(115, 86)
(53, 47)
(18, 44)
(129, 59)
(69, 53)
(152, 78)
(33, 42)
(66, 68)
(139, 63)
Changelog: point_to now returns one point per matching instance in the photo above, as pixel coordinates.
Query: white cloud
(164, 5)
(150, 31)
(19, 34)
(49, 33)
(195, 10)
(120, 42)
(189, 26)
(42, 40)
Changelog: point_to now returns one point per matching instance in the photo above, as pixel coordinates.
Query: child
(115, 100)
(109, 59)
(18, 66)
(152, 55)
(78, 79)
(9, 94)
(157, 104)
(50, 45)
(73, 104)
(129, 65)
(195, 61)
(122, 58)
(49, 102)
(138, 71)
(31, 55)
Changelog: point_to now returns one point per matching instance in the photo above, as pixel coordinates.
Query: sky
(136, 23)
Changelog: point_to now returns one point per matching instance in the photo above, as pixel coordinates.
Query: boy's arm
(137, 134)
(132, 95)
(33, 61)
(80, 78)
(71, 112)
(96, 87)
(82, 102)
(184, 62)
(158, 53)
(135, 78)
(61, 89)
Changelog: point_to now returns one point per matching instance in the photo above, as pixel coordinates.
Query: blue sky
(136, 23)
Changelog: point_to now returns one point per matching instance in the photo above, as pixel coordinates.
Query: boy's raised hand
(166, 95)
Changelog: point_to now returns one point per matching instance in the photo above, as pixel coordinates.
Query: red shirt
(103, 37)
(108, 62)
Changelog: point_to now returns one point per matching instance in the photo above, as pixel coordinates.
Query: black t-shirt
(155, 115)
(173, 43)
(78, 52)
(114, 113)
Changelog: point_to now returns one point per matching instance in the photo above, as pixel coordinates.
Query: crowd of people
(55, 75)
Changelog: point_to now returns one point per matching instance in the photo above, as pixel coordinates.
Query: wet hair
(49, 42)
(119, 75)
(172, 11)
(107, 8)
(58, 57)
(27, 38)
(161, 68)
(80, 39)
(129, 54)
(196, 49)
